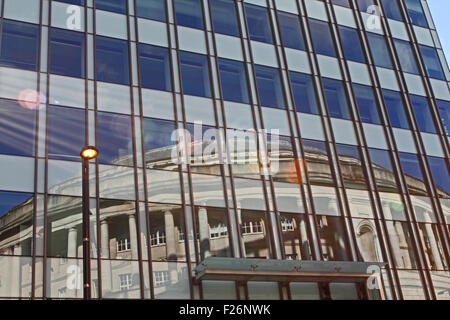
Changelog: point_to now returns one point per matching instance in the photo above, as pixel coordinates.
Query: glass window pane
(396, 109)
(151, 9)
(432, 62)
(439, 170)
(401, 243)
(343, 3)
(365, 4)
(336, 98)
(351, 44)
(258, 22)
(224, 17)
(416, 13)
(367, 106)
(392, 9)
(412, 169)
(114, 139)
(423, 114)
(154, 63)
(322, 38)
(234, 80)
(269, 87)
(332, 238)
(111, 60)
(195, 74)
(407, 58)
(304, 93)
(382, 166)
(65, 132)
(317, 162)
(119, 6)
(20, 43)
(434, 252)
(379, 49)
(254, 233)
(444, 111)
(294, 236)
(189, 13)
(291, 31)
(67, 46)
(351, 166)
(17, 128)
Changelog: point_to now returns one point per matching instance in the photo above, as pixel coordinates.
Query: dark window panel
(396, 109)
(406, 56)
(333, 238)
(432, 62)
(412, 169)
(258, 22)
(392, 9)
(322, 38)
(67, 46)
(364, 5)
(224, 17)
(416, 13)
(379, 50)
(304, 93)
(119, 6)
(269, 87)
(439, 170)
(189, 13)
(154, 64)
(444, 110)
(112, 60)
(367, 106)
(291, 31)
(344, 3)
(423, 114)
(151, 9)
(234, 80)
(195, 74)
(351, 44)
(336, 98)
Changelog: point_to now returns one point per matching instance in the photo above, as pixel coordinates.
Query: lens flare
(31, 99)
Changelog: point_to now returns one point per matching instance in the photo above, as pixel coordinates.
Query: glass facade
(270, 129)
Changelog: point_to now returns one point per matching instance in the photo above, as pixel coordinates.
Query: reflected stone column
(72, 242)
(239, 216)
(171, 246)
(133, 236)
(304, 242)
(403, 244)
(433, 247)
(205, 245)
(104, 234)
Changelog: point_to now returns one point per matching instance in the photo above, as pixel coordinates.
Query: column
(304, 242)
(203, 229)
(72, 242)
(133, 236)
(104, 234)
(434, 247)
(171, 246)
(239, 216)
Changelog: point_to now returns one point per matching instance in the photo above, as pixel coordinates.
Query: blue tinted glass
(234, 80)
(423, 114)
(382, 163)
(336, 98)
(112, 60)
(66, 132)
(269, 87)
(119, 6)
(258, 23)
(396, 109)
(367, 106)
(444, 111)
(352, 44)
(406, 56)
(154, 64)
(9, 200)
(189, 13)
(17, 128)
(114, 139)
(411, 165)
(158, 143)
(291, 31)
(432, 63)
(304, 93)
(365, 4)
(151, 9)
(416, 13)
(379, 50)
(20, 42)
(195, 74)
(392, 9)
(67, 46)
(341, 3)
(322, 39)
(224, 17)
(439, 170)
(78, 2)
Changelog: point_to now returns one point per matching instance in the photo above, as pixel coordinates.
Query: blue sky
(440, 10)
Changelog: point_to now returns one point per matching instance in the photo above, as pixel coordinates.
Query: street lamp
(88, 153)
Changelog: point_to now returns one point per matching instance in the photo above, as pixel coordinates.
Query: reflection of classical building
(116, 238)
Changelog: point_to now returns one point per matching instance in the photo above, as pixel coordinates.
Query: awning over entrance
(238, 269)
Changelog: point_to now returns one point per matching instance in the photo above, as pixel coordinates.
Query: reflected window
(111, 60)
(224, 17)
(254, 235)
(368, 249)
(195, 74)
(66, 46)
(439, 170)
(379, 49)
(294, 236)
(17, 128)
(159, 146)
(383, 170)
(65, 132)
(233, 80)
(119, 6)
(412, 168)
(20, 43)
(269, 87)
(401, 243)
(336, 98)
(304, 93)
(423, 114)
(434, 252)
(154, 64)
(396, 109)
(258, 21)
(367, 105)
(16, 223)
(291, 31)
(114, 139)
(322, 38)
(151, 9)
(351, 44)
(351, 166)
(167, 233)
(317, 162)
(212, 228)
(333, 239)
(189, 13)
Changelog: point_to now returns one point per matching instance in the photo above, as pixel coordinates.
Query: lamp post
(87, 154)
